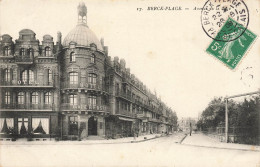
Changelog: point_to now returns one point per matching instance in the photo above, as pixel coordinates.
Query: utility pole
(226, 110)
(226, 120)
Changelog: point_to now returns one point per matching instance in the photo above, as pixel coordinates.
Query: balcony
(33, 84)
(153, 120)
(24, 60)
(27, 106)
(87, 86)
(124, 95)
(125, 113)
(73, 107)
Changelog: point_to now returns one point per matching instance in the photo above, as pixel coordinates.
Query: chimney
(106, 50)
(59, 37)
(102, 42)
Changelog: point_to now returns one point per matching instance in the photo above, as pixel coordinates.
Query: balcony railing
(153, 119)
(124, 95)
(28, 106)
(125, 113)
(89, 86)
(24, 60)
(67, 106)
(26, 84)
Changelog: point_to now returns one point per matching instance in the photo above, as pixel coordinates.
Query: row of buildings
(73, 89)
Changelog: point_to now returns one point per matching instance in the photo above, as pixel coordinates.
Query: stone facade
(73, 90)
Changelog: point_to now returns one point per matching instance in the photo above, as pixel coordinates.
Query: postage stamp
(230, 52)
(216, 12)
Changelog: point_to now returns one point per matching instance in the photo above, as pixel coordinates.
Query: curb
(80, 143)
(146, 139)
(183, 138)
(224, 148)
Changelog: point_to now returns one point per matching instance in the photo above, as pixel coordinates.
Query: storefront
(80, 126)
(118, 126)
(29, 125)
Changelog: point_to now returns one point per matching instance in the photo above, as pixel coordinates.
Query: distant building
(185, 123)
(73, 89)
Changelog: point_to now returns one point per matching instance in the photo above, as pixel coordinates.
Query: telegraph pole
(226, 120)
(226, 110)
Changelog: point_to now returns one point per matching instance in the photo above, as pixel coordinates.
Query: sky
(164, 49)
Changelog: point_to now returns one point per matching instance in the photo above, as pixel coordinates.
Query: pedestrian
(190, 128)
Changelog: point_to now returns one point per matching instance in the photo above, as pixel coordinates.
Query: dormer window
(72, 57)
(92, 58)
(22, 52)
(7, 51)
(47, 51)
(93, 47)
(30, 52)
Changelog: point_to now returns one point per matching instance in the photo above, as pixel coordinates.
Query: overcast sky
(164, 49)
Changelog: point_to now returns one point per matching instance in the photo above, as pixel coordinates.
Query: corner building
(73, 90)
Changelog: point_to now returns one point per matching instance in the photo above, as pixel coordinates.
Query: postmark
(215, 14)
(231, 52)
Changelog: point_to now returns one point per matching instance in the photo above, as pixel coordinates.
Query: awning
(126, 119)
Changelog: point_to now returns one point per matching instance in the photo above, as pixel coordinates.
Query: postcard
(129, 83)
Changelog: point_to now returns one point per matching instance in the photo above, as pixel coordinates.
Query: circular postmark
(224, 20)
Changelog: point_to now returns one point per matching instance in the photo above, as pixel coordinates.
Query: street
(164, 151)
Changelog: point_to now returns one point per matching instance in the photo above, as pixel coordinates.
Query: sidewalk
(85, 142)
(202, 140)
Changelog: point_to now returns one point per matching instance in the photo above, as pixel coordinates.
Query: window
(24, 76)
(7, 75)
(22, 126)
(6, 125)
(27, 77)
(21, 98)
(73, 76)
(47, 98)
(92, 58)
(7, 97)
(49, 73)
(40, 125)
(30, 52)
(48, 51)
(117, 88)
(92, 101)
(34, 98)
(22, 52)
(73, 99)
(31, 76)
(92, 78)
(7, 51)
(72, 57)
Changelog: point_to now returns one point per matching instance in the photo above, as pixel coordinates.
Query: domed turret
(81, 34)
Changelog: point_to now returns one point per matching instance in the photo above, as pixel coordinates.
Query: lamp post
(226, 109)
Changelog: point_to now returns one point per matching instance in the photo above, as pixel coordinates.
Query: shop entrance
(73, 125)
(92, 126)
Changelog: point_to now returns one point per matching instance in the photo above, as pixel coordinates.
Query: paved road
(159, 152)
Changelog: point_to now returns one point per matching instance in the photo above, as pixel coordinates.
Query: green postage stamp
(231, 44)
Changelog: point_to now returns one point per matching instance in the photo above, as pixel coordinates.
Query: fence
(242, 135)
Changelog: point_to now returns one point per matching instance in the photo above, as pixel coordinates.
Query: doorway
(92, 126)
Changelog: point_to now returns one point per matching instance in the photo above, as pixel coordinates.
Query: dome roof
(83, 36)
(26, 31)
